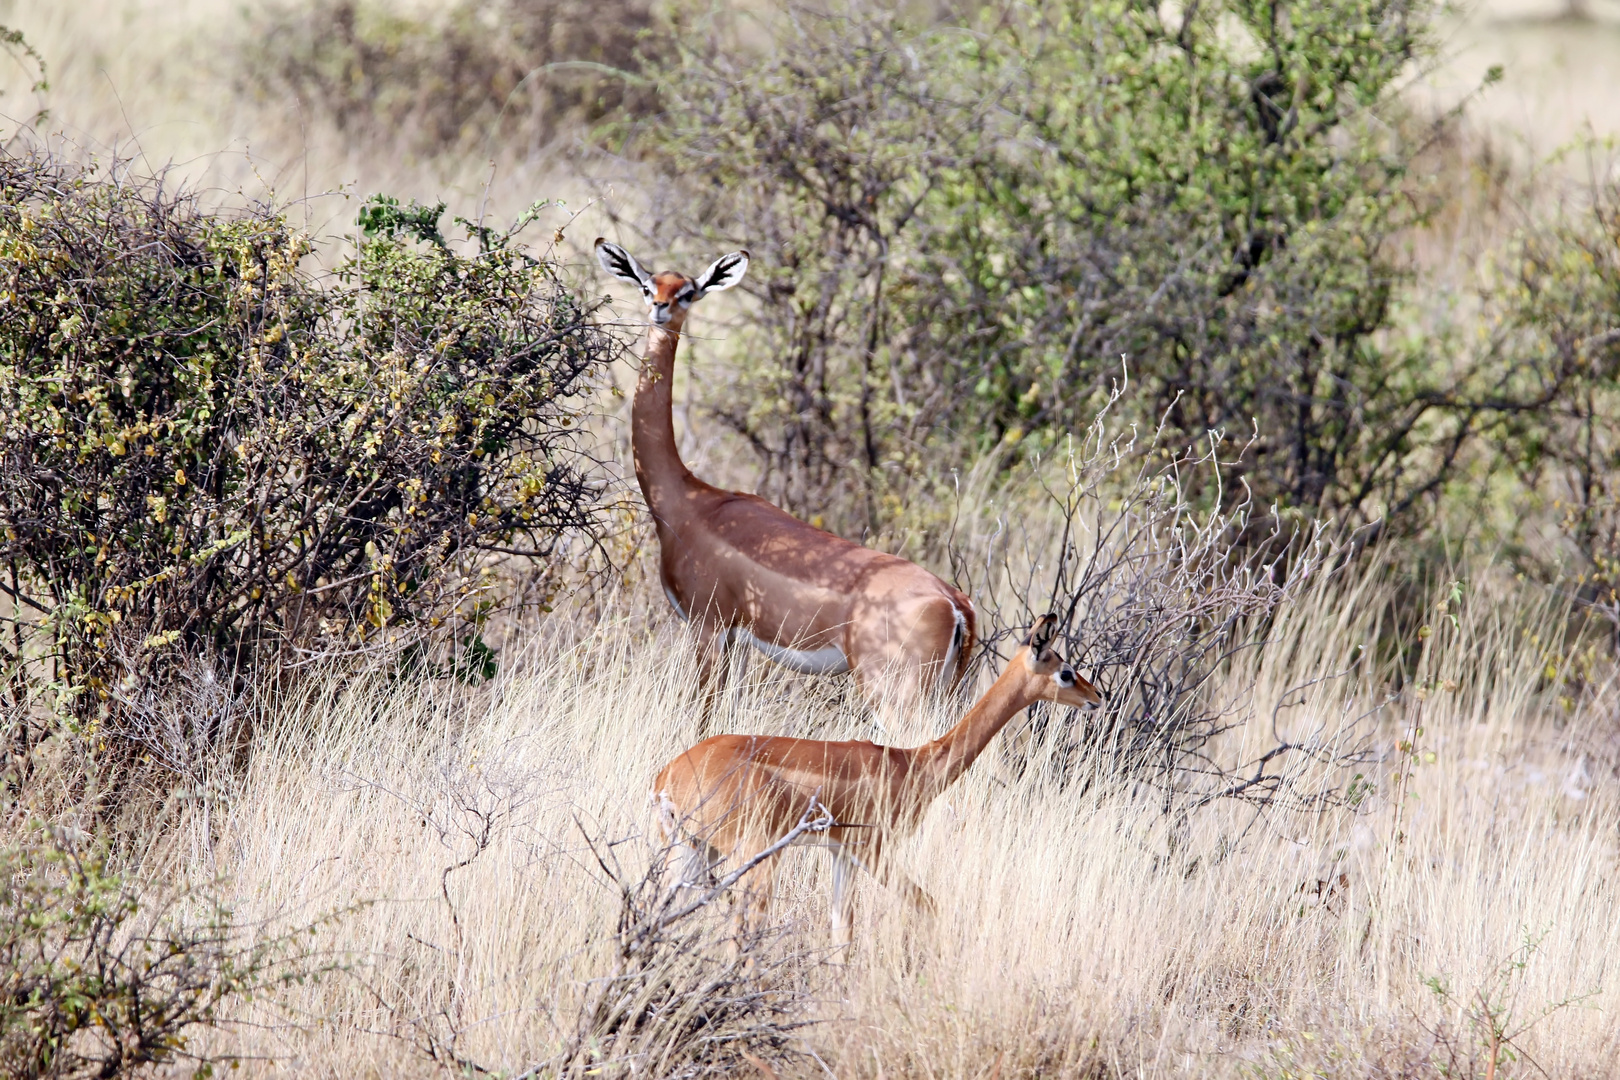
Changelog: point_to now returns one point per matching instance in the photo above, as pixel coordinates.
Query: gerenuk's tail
(960, 654)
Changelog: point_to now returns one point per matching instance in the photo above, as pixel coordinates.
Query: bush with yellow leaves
(209, 448)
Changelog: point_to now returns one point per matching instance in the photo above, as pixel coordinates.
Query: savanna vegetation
(333, 663)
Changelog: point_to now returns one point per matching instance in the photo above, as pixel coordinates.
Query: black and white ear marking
(1042, 633)
(723, 273)
(622, 265)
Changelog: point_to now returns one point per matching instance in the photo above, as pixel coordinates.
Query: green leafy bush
(207, 449)
(97, 980)
(965, 225)
(1551, 408)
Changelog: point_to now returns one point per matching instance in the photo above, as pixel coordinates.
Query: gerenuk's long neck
(652, 425)
(939, 764)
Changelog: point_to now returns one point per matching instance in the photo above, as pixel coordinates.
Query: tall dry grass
(1076, 934)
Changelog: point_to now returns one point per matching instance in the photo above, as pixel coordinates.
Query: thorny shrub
(1160, 593)
(1482, 1034)
(692, 994)
(100, 978)
(208, 450)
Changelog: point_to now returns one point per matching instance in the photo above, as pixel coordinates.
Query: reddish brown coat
(733, 795)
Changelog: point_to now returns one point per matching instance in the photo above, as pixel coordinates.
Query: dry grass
(1072, 939)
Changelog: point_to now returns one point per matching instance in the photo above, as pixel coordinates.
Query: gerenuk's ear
(723, 273)
(622, 265)
(1042, 633)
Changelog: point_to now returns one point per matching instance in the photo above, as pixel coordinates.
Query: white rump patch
(664, 807)
(947, 668)
(828, 661)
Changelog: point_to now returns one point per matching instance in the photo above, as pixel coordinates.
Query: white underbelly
(828, 661)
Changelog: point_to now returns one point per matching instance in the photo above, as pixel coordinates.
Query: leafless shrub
(1159, 593)
(691, 994)
(177, 743)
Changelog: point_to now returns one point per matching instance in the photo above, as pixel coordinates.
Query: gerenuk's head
(669, 295)
(1049, 676)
